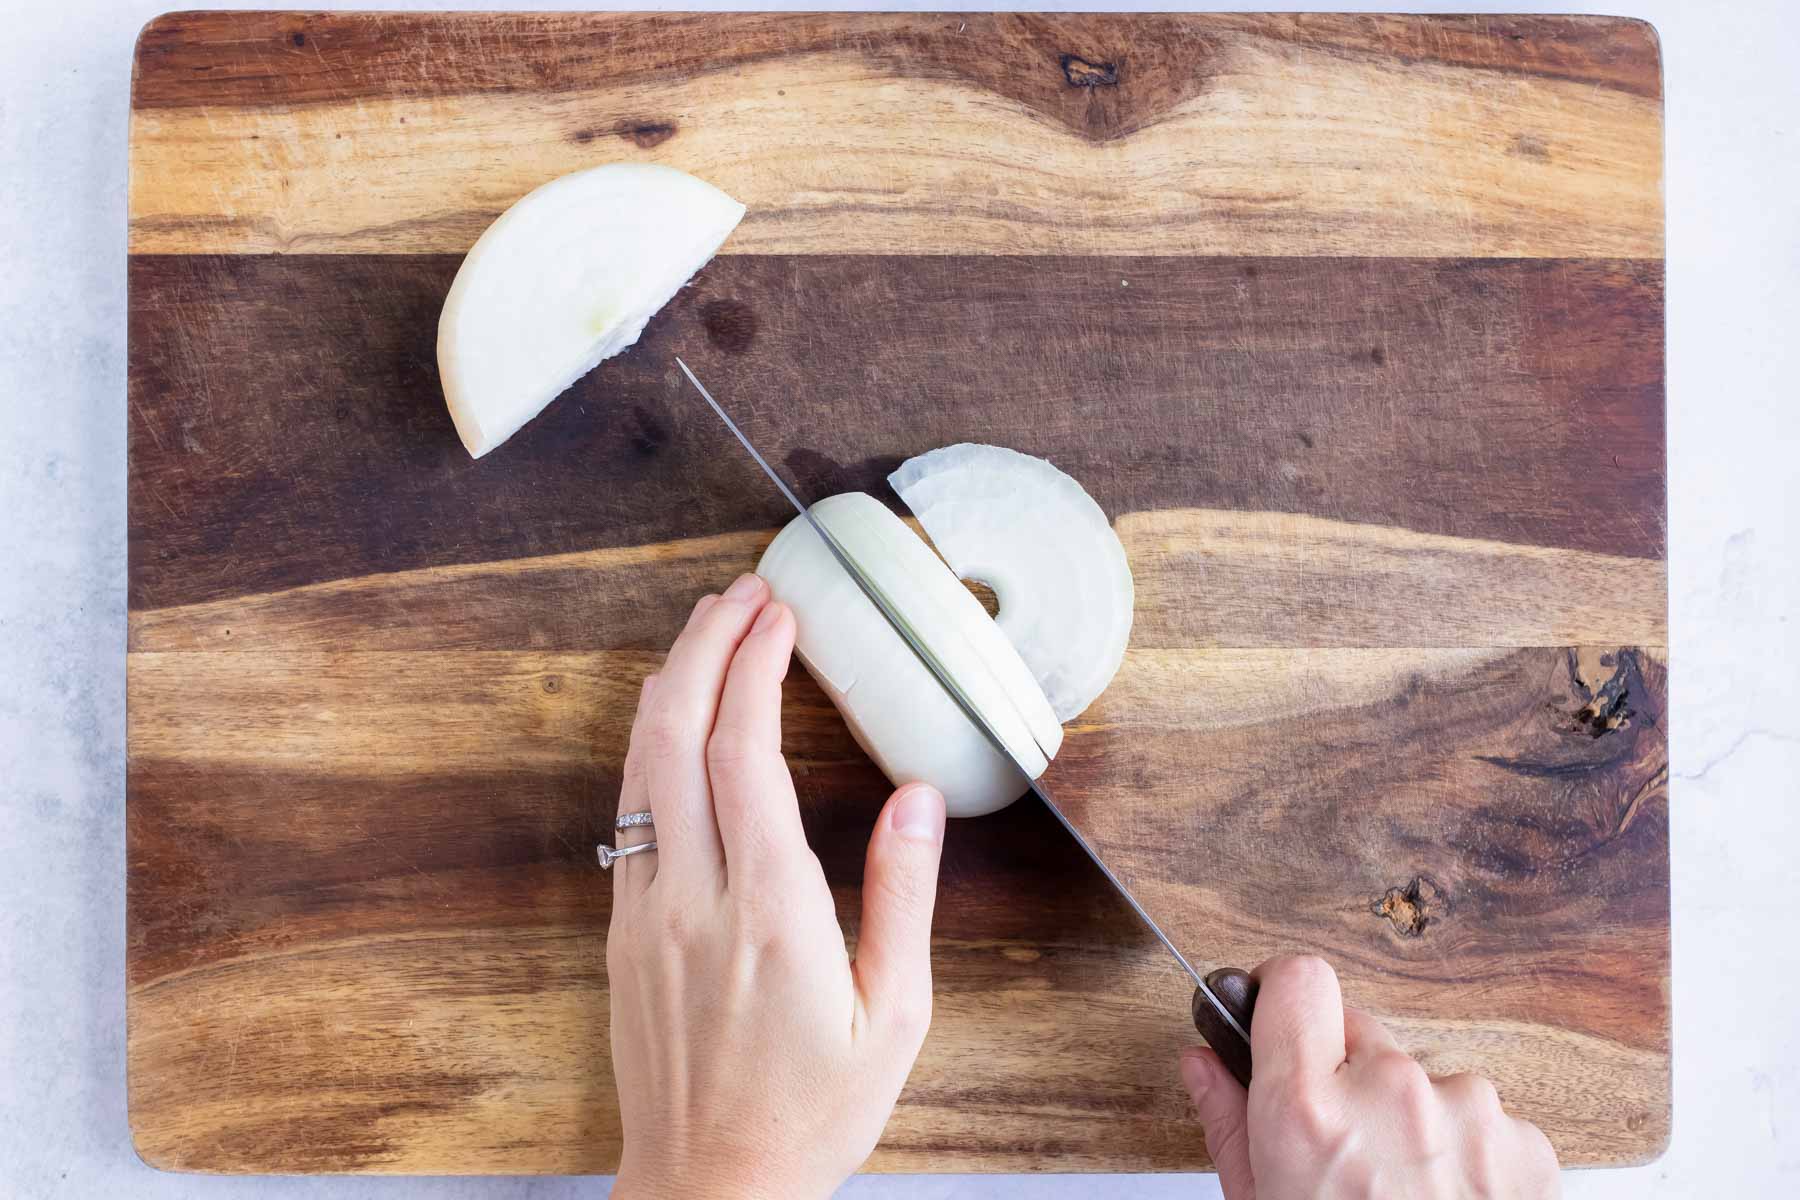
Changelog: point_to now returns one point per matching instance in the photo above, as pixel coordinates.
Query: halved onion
(892, 704)
(1012, 521)
(1033, 535)
(566, 277)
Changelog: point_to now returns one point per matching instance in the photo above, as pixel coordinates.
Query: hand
(1336, 1109)
(753, 1057)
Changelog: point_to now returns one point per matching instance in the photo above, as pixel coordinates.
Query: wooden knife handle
(1236, 990)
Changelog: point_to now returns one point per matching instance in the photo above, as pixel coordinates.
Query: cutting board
(1354, 325)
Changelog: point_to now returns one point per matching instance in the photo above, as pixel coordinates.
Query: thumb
(893, 951)
(1221, 1101)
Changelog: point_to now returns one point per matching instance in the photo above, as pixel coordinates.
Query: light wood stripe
(400, 712)
(533, 1098)
(1218, 578)
(1285, 150)
(1205, 578)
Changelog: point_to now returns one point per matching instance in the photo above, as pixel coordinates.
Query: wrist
(670, 1182)
(641, 1187)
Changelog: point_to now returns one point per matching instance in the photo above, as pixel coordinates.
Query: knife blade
(1224, 999)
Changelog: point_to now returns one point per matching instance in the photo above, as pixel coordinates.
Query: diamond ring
(609, 856)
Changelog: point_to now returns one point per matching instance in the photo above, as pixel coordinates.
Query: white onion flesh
(894, 707)
(1033, 535)
(999, 675)
(566, 277)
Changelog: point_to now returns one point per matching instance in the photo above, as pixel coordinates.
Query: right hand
(1336, 1110)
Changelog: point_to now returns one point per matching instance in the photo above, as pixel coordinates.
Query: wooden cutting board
(1353, 324)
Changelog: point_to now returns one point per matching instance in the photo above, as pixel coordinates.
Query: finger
(701, 607)
(1299, 1026)
(1363, 1035)
(893, 951)
(1474, 1105)
(679, 719)
(1222, 1103)
(1471, 1096)
(1537, 1173)
(753, 794)
(631, 876)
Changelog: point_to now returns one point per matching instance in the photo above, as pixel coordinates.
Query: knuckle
(730, 748)
(1306, 970)
(702, 606)
(1477, 1094)
(1306, 1113)
(756, 944)
(632, 777)
(1297, 975)
(1404, 1086)
(666, 732)
(676, 926)
(909, 1017)
(1538, 1150)
(766, 916)
(1225, 1139)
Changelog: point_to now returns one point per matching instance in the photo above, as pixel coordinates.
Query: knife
(1224, 999)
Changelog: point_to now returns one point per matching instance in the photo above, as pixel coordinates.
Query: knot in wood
(1082, 73)
(1412, 906)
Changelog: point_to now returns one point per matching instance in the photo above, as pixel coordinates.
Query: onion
(894, 707)
(1033, 535)
(566, 277)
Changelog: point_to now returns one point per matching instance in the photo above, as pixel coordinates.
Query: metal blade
(954, 690)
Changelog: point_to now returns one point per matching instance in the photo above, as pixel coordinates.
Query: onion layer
(1036, 537)
(894, 707)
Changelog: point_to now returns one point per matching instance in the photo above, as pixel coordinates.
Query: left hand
(753, 1058)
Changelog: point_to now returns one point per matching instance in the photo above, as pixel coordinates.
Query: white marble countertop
(1733, 123)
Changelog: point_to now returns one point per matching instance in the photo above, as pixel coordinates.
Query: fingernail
(919, 814)
(744, 589)
(766, 619)
(1197, 1074)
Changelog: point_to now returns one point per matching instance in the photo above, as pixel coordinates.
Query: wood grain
(446, 870)
(1354, 325)
(1204, 578)
(201, 59)
(1534, 137)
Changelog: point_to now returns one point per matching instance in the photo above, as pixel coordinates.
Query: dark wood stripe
(1517, 400)
(1100, 75)
(392, 856)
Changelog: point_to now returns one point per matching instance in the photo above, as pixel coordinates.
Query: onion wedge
(565, 278)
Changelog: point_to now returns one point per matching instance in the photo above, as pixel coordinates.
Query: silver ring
(609, 856)
(632, 820)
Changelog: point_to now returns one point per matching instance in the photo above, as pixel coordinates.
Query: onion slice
(566, 277)
(894, 707)
(1033, 535)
